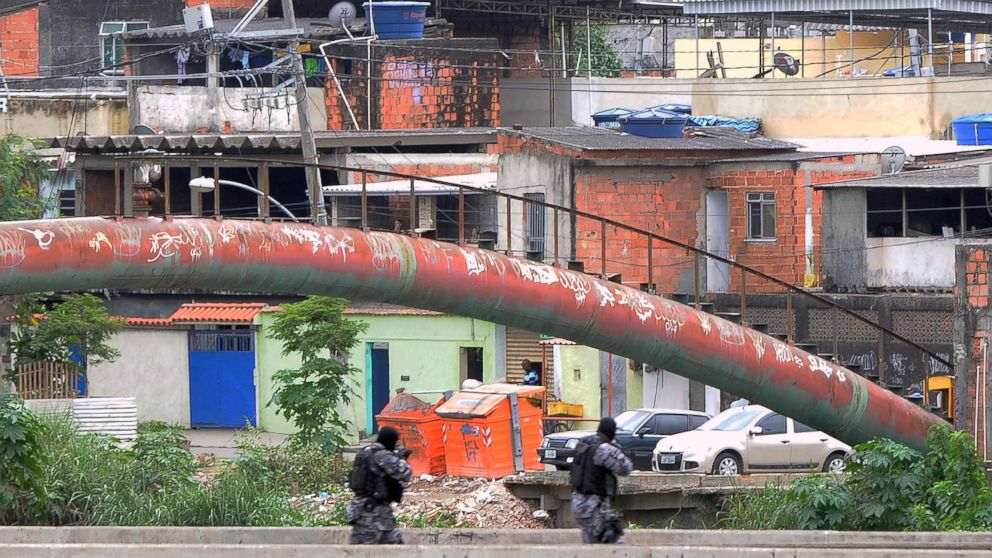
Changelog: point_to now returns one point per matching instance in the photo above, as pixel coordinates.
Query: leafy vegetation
(888, 487)
(22, 488)
(305, 468)
(605, 59)
(79, 321)
(77, 479)
(21, 169)
(310, 395)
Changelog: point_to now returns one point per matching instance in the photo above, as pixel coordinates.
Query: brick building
(67, 37)
(747, 198)
(433, 82)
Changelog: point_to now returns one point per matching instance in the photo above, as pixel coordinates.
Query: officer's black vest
(369, 481)
(589, 478)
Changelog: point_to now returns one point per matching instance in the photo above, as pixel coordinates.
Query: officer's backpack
(582, 466)
(368, 481)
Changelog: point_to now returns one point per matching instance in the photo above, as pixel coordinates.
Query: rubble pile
(469, 502)
(444, 502)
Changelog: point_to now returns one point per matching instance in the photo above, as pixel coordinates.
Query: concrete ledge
(299, 536)
(412, 551)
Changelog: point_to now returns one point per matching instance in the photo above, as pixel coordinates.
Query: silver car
(751, 439)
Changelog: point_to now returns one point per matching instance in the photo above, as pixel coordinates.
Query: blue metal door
(380, 380)
(221, 379)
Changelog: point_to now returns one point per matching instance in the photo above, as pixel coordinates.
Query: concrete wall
(45, 115)
(580, 378)
(525, 173)
(820, 55)
(844, 233)
(527, 102)
(153, 368)
(424, 349)
(789, 108)
(909, 262)
(188, 109)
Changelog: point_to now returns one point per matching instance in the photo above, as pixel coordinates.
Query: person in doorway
(377, 479)
(531, 377)
(594, 473)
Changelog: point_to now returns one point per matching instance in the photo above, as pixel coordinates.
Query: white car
(751, 439)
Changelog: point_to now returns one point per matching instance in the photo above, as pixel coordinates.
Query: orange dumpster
(420, 431)
(481, 438)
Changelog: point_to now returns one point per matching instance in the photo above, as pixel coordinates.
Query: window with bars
(761, 216)
(536, 233)
(112, 44)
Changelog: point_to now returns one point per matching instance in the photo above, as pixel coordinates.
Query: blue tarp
(746, 125)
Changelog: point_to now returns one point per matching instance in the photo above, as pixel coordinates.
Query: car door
(809, 446)
(650, 433)
(770, 449)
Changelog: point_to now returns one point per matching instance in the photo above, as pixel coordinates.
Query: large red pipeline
(151, 253)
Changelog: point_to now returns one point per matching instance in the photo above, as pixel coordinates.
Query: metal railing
(655, 243)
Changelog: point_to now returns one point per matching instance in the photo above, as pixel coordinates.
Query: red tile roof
(148, 322)
(218, 313)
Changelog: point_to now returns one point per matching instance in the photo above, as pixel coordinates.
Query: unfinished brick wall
(518, 37)
(19, 43)
(972, 324)
(439, 83)
(661, 200)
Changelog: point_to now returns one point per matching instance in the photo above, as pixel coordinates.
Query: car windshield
(629, 420)
(731, 420)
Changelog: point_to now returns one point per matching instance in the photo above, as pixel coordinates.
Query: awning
(421, 187)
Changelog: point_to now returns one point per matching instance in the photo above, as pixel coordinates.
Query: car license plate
(666, 459)
(550, 454)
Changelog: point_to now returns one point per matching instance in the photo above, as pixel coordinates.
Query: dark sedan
(638, 432)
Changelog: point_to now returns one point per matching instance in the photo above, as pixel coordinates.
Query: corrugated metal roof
(703, 139)
(483, 180)
(217, 312)
(713, 7)
(270, 143)
(951, 177)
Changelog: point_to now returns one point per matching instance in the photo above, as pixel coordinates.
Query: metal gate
(618, 387)
(222, 379)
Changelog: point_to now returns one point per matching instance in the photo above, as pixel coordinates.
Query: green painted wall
(426, 349)
(635, 388)
(580, 378)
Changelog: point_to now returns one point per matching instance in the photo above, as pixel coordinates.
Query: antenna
(342, 14)
(893, 158)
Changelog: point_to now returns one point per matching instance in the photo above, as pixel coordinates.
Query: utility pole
(318, 215)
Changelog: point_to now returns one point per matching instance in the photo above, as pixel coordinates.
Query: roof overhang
(958, 15)
(483, 180)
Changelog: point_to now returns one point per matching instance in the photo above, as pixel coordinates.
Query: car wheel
(727, 464)
(835, 463)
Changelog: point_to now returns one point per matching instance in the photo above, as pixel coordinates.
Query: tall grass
(758, 508)
(91, 481)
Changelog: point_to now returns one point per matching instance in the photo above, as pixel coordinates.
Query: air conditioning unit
(198, 18)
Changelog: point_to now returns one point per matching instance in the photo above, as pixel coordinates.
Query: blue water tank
(677, 108)
(975, 129)
(654, 123)
(397, 20)
(608, 118)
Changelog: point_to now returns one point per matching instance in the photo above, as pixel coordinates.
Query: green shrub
(23, 494)
(297, 465)
(888, 487)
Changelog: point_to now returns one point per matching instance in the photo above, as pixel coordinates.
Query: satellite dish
(786, 63)
(893, 159)
(342, 14)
